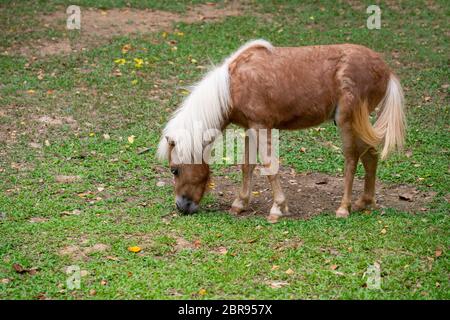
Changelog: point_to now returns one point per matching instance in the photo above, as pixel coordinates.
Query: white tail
(391, 123)
(206, 108)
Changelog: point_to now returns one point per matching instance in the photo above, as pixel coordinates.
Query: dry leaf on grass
(37, 220)
(75, 212)
(67, 179)
(112, 258)
(289, 271)
(222, 250)
(197, 244)
(20, 269)
(278, 284)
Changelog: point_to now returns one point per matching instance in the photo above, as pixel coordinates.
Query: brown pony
(266, 87)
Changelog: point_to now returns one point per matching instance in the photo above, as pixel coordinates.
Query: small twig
(145, 150)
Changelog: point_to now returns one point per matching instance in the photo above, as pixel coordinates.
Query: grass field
(77, 190)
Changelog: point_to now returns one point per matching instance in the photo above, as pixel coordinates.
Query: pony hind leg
(270, 168)
(351, 155)
(357, 142)
(351, 149)
(279, 207)
(369, 160)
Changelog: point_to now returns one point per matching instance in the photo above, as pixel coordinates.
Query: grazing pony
(266, 87)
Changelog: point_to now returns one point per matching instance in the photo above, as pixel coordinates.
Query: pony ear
(170, 141)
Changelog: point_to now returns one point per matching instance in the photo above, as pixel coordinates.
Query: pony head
(190, 181)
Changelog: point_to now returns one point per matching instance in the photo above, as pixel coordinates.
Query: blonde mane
(206, 108)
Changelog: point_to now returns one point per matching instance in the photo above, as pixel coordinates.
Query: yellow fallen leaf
(126, 48)
(289, 271)
(202, 292)
(120, 61)
(383, 231)
(134, 249)
(131, 139)
(180, 34)
(275, 267)
(164, 34)
(138, 62)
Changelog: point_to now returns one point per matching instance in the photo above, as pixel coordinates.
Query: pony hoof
(342, 213)
(362, 204)
(236, 210)
(279, 210)
(238, 206)
(273, 218)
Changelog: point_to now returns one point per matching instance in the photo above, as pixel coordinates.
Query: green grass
(131, 210)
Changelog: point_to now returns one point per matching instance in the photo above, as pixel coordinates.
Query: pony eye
(175, 171)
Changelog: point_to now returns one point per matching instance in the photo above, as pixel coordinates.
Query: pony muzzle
(186, 205)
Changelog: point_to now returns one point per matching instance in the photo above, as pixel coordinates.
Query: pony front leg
(240, 204)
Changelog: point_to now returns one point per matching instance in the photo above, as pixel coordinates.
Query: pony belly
(307, 120)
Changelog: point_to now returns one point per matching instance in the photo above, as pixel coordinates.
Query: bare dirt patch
(98, 26)
(182, 244)
(75, 252)
(310, 194)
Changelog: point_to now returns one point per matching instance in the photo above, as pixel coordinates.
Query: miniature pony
(265, 87)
